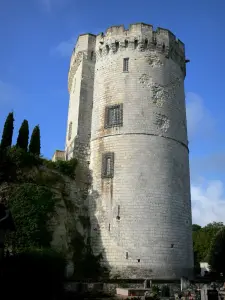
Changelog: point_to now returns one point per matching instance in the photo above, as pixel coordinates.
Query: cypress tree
(23, 136)
(35, 141)
(7, 132)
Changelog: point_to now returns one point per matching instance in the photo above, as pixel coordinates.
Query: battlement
(141, 37)
(138, 37)
(140, 32)
(136, 33)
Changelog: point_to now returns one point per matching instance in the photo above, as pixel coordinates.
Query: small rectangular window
(125, 64)
(114, 116)
(108, 165)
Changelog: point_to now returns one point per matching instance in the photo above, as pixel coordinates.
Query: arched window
(70, 131)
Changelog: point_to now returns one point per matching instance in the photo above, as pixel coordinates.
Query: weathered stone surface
(151, 236)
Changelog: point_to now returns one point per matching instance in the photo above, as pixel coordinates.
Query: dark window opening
(126, 43)
(118, 213)
(126, 255)
(163, 47)
(117, 45)
(172, 245)
(114, 116)
(146, 43)
(135, 44)
(107, 49)
(92, 55)
(108, 165)
(109, 227)
(125, 64)
(138, 260)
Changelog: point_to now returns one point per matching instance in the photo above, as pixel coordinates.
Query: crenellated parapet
(141, 37)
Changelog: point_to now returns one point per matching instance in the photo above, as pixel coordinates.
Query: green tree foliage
(13, 163)
(32, 206)
(64, 167)
(31, 193)
(196, 227)
(35, 141)
(7, 132)
(23, 137)
(202, 238)
(216, 257)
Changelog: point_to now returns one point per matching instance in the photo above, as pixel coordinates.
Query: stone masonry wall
(80, 85)
(151, 186)
(150, 189)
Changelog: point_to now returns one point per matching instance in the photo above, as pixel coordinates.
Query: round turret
(140, 204)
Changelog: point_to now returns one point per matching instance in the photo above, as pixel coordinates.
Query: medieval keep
(127, 120)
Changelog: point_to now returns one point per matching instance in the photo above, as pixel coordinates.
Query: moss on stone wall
(48, 209)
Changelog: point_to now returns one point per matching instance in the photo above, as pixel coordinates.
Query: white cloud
(208, 202)
(64, 48)
(199, 120)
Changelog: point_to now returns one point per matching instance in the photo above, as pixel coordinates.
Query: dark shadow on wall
(95, 266)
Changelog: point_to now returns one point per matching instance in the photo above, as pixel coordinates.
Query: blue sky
(38, 37)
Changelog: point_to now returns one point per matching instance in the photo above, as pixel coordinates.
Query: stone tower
(127, 107)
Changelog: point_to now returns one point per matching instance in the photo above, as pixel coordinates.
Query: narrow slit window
(126, 43)
(125, 64)
(107, 49)
(118, 212)
(146, 43)
(92, 55)
(108, 165)
(117, 45)
(114, 116)
(126, 255)
(109, 227)
(135, 44)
